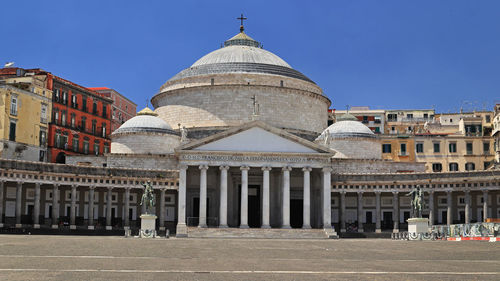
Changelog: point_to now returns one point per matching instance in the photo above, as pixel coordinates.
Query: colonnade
(266, 204)
(56, 201)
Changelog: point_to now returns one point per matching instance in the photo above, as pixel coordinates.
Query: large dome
(240, 54)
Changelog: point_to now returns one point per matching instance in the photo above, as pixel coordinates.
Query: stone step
(270, 233)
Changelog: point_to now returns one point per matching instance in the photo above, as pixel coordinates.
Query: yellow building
(25, 110)
(398, 148)
(407, 122)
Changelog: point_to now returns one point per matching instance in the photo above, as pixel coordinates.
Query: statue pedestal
(417, 227)
(148, 226)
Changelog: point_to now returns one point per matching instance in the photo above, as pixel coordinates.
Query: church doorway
(254, 212)
(296, 213)
(196, 212)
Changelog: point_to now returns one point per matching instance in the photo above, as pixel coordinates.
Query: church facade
(240, 140)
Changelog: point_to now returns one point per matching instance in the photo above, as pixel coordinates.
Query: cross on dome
(241, 18)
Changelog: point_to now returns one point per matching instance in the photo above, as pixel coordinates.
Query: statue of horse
(148, 198)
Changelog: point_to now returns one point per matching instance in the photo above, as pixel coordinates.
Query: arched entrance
(61, 158)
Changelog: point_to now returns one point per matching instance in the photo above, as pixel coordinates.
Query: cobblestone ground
(116, 258)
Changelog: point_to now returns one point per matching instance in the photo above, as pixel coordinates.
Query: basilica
(240, 140)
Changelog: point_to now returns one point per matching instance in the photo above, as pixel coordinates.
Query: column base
(244, 226)
(266, 226)
(330, 233)
(162, 228)
(306, 227)
(360, 230)
(286, 227)
(223, 226)
(72, 226)
(395, 231)
(19, 225)
(109, 227)
(342, 230)
(181, 230)
(378, 230)
(91, 227)
(36, 226)
(202, 226)
(55, 226)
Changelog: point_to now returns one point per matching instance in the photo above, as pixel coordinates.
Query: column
(286, 197)
(223, 197)
(55, 206)
(327, 198)
(485, 205)
(162, 208)
(91, 207)
(431, 208)
(19, 194)
(395, 211)
(203, 196)
(181, 230)
(244, 197)
(72, 224)
(306, 221)
(378, 228)
(448, 210)
(1, 202)
(36, 212)
(127, 208)
(467, 206)
(360, 211)
(108, 209)
(342, 211)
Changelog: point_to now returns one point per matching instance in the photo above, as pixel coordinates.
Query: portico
(253, 185)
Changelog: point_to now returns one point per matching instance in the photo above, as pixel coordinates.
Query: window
(409, 115)
(94, 126)
(104, 110)
(103, 130)
(76, 144)
(73, 101)
(486, 165)
(94, 108)
(83, 125)
(386, 148)
(437, 167)
(453, 147)
(212, 82)
(96, 148)
(65, 97)
(469, 148)
(43, 113)
(365, 119)
(106, 148)
(12, 131)
(436, 147)
(420, 148)
(63, 118)
(392, 117)
(377, 129)
(403, 149)
(281, 83)
(470, 166)
(453, 167)
(86, 147)
(43, 138)
(84, 104)
(488, 118)
(486, 147)
(13, 105)
(426, 115)
(58, 140)
(56, 95)
(56, 116)
(73, 122)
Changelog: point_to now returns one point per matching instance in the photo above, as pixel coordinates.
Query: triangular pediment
(256, 137)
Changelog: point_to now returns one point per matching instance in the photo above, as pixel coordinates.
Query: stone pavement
(115, 258)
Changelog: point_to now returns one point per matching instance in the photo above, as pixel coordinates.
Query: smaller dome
(145, 121)
(347, 129)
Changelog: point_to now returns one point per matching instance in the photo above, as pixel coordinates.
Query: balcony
(13, 111)
(43, 120)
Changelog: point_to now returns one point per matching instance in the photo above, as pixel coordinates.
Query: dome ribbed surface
(145, 123)
(348, 129)
(241, 54)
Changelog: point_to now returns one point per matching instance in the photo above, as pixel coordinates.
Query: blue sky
(383, 54)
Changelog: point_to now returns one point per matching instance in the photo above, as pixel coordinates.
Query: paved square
(117, 258)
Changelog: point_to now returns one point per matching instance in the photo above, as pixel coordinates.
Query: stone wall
(366, 166)
(357, 148)
(209, 106)
(144, 143)
(20, 151)
(154, 162)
